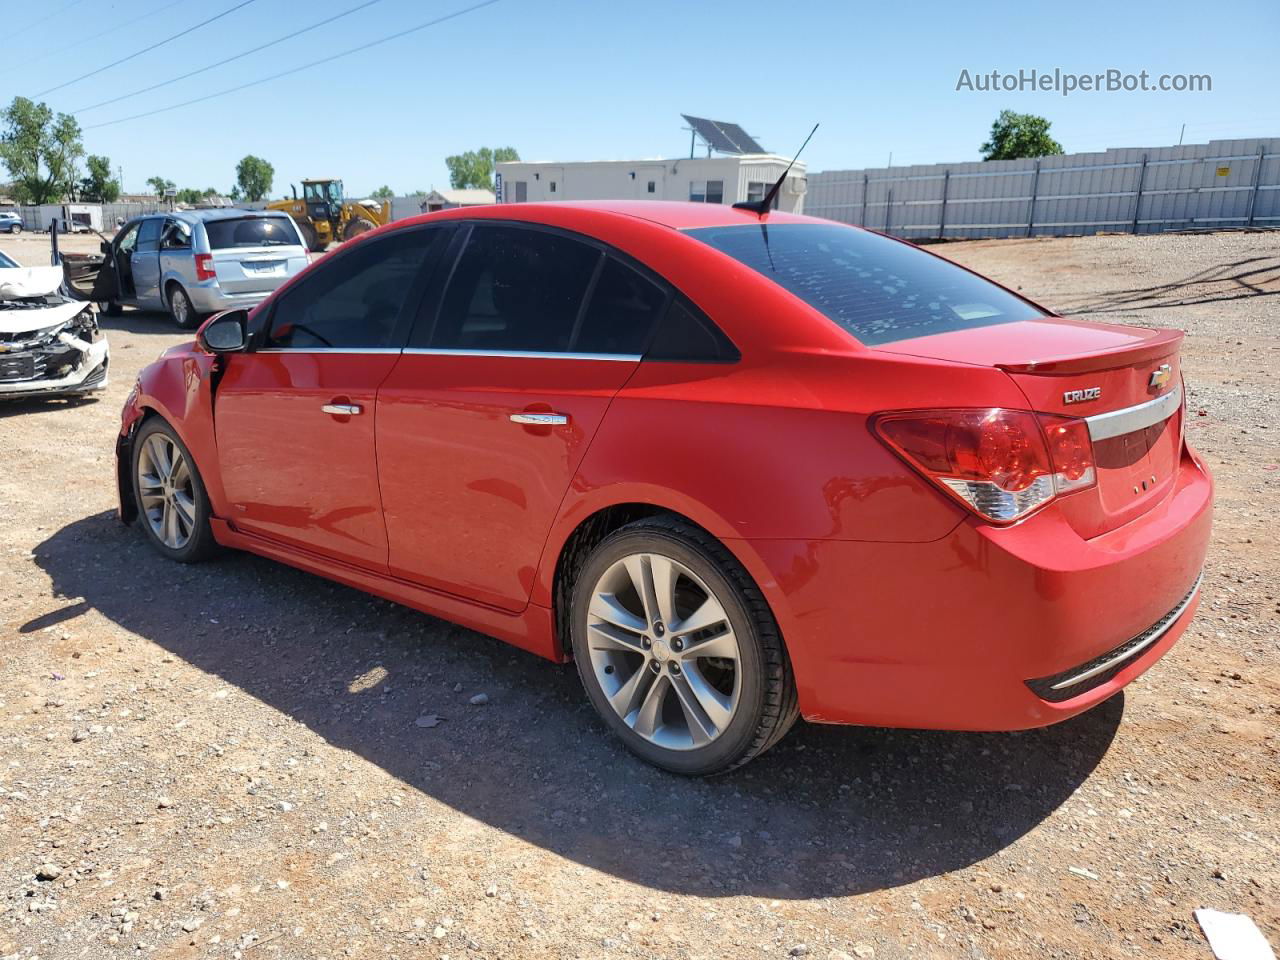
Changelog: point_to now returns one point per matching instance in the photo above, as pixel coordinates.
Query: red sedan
(738, 467)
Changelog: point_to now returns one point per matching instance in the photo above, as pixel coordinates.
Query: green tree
(160, 185)
(191, 196)
(383, 193)
(475, 167)
(1018, 135)
(99, 186)
(254, 176)
(40, 150)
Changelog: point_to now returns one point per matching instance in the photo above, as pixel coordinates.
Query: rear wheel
(678, 650)
(172, 504)
(180, 308)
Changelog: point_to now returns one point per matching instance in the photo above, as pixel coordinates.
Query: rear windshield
(877, 289)
(251, 232)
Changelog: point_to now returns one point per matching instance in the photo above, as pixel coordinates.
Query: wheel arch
(574, 547)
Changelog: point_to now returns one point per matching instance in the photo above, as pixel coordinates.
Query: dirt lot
(227, 760)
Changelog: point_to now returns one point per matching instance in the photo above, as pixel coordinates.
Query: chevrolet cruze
(738, 466)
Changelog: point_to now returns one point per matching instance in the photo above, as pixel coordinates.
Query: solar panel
(723, 137)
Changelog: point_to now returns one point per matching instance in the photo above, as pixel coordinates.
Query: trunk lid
(256, 269)
(1125, 381)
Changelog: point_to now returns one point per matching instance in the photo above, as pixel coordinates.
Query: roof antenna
(761, 207)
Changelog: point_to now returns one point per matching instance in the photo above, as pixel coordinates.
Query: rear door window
(515, 289)
(879, 290)
(620, 315)
(360, 298)
(251, 232)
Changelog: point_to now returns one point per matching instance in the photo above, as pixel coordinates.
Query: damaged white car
(50, 344)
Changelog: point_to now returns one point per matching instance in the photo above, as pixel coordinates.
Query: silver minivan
(196, 262)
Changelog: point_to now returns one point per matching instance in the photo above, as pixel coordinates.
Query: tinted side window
(623, 309)
(149, 235)
(515, 289)
(687, 335)
(356, 299)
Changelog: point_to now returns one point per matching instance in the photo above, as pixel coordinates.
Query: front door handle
(541, 419)
(342, 409)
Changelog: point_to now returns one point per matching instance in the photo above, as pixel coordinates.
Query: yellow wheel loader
(324, 215)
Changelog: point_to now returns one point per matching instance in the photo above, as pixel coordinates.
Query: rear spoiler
(1161, 343)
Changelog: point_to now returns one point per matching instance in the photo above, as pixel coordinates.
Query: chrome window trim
(1116, 423)
(426, 351)
(530, 355)
(382, 350)
(1169, 620)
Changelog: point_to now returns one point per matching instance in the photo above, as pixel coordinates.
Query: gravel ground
(241, 760)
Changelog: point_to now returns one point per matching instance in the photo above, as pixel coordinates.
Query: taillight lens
(204, 266)
(1000, 463)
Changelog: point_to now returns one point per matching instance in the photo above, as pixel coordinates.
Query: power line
(63, 47)
(238, 56)
(299, 69)
(183, 33)
(36, 23)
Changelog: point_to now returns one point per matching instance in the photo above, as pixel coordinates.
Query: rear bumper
(210, 298)
(962, 632)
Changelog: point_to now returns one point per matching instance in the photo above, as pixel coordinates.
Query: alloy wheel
(664, 652)
(180, 307)
(167, 491)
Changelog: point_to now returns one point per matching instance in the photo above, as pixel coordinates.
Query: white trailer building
(714, 179)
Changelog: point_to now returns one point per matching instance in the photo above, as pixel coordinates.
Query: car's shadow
(129, 320)
(828, 811)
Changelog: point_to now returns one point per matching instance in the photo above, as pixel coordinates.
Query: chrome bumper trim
(1130, 650)
(1116, 423)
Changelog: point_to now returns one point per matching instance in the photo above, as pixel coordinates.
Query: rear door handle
(342, 409)
(541, 419)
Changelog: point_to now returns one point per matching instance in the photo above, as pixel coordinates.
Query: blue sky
(580, 80)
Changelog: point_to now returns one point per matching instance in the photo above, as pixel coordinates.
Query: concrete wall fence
(1223, 183)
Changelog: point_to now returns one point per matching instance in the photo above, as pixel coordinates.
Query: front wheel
(678, 650)
(16, 228)
(172, 503)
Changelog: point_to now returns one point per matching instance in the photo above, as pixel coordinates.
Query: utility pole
(1180, 136)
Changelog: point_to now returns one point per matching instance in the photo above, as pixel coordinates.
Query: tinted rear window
(877, 289)
(250, 232)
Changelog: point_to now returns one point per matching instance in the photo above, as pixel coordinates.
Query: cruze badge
(1079, 396)
(1160, 376)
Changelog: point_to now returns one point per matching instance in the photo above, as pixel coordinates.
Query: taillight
(204, 267)
(1000, 463)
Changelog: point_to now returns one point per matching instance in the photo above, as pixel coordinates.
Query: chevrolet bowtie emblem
(1160, 376)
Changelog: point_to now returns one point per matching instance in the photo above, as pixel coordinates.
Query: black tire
(768, 706)
(201, 545)
(357, 226)
(180, 308)
(310, 237)
(16, 228)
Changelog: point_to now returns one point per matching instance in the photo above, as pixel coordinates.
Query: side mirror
(104, 247)
(224, 332)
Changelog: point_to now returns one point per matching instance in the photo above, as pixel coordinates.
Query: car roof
(677, 214)
(219, 213)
